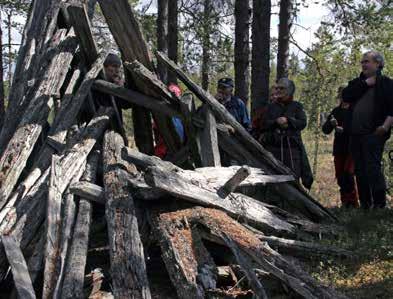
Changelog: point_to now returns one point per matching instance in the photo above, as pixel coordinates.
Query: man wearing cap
(112, 72)
(233, 104)
(282, 124)
(370, 126)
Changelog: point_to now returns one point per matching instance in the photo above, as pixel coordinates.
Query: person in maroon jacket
(343, 161)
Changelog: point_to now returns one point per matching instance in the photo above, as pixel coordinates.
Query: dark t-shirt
(363, 114)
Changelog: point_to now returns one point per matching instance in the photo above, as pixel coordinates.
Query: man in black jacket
(370, 126)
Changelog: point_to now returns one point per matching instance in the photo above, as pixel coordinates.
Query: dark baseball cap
(225, 82)
(112, 59)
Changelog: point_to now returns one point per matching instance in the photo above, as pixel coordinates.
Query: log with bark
(128, 268)
(216, 226)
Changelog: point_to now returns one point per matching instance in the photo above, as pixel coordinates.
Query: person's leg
(351, 195)
(339, 169)
(358, 155)
(374, 146)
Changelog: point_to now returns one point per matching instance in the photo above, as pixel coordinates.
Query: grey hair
(289, 85)
(378, 57)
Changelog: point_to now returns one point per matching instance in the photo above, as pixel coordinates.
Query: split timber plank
(76, 260)
(128, 268)
(187, 108)
(237, 205)
(53, 228)
(15, 156)
(126, 31)
(63, 121)
(25, 217)
(81, 23)
(19, 269)
(89, 191)
(208, 140)
(32, 55)
(61, 216)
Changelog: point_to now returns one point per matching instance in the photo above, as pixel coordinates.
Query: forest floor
(369, 235)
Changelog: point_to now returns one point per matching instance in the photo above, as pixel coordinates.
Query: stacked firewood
(215, 226)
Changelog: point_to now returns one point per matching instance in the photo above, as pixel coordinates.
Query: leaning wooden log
(57, 228)
(303, 249)
(214, 177)
(246, 265)
(187, 108)
(15, 156)
(128, 268)
(128, 36)
(185, 256)
(136, 98)
(32, 53)
(76, 260)
(81, 23)
(237, 205)
(208, 140)
(221, 228)
(147, 82)
(58, 131)
(126, 31)
(26, 216)
(67, 114)
(19, 269)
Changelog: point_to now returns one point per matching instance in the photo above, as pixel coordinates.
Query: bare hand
(371, 81)
(380, 131)
(339, 130)
(282, 121)
(334, 122)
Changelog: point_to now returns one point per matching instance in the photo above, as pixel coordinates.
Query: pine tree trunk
(242, 48)
(162, 36)
(283, 38)
(9, 28)
(260, 54)
(173, 39)
(206, 45)
(2, 104)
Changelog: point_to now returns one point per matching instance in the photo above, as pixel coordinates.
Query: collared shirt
(238, 109)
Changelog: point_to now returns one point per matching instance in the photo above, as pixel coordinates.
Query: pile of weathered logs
(74, 199)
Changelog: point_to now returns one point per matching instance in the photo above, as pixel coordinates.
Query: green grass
(369, 235)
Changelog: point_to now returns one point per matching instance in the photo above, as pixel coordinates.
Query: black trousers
(367, 153)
